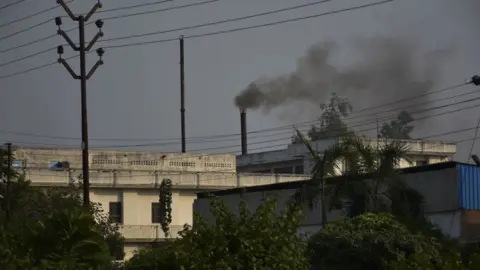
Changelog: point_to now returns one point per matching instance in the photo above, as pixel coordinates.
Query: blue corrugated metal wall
(468, 187)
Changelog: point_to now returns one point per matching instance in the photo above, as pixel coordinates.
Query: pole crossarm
(94, 68)
(69, 40)
(92, 11)
(69, 68)
(67, 9)
(94, 40)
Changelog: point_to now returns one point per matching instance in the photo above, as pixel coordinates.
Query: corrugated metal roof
(468, 187)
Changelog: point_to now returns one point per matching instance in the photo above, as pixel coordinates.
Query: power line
(247, 27)
(160, 10)
(25, 29)
(31, 15)
(108, 18)
(26, 57)
(203, 138)
(284, 144)
(12, 4)
(135, 6)
(222, 21)
(212, 33)
(286, 138)
(34, 68)
(177, 29)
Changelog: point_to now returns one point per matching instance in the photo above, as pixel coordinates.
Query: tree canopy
(49, 228)
(332, 124)
(399, 128)
(248, 240)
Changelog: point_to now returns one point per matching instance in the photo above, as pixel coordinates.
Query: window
(118, 253)
(283, 170)
(299, 169)
(115, 212)
(421, 163)
(156, 213)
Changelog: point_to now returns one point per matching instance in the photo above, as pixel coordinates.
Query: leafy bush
(259, 240)
(368, 241)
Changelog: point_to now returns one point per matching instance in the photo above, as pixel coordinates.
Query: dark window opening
(283, 170)
(421, 163)
(118, 253)
(115, 212)
(299, 169)
(156, 212)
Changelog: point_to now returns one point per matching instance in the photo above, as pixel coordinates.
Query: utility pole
(9, 180)
(182, 91)
(84, 76)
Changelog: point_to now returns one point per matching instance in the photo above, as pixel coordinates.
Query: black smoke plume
(386, 69)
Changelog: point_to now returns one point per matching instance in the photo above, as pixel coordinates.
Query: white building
(126, 183)
(297, 159)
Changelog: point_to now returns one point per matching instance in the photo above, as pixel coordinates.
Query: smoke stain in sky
(386, 69)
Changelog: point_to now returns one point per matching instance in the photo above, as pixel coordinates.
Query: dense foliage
(259, 240)
(49, 228)
(165, 200)
(369, 241)
(332, 124)
(399, 128)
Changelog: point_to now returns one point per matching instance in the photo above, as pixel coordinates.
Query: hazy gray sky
(136, 93)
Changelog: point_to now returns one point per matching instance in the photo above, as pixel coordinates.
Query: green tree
(399, 128)
(334, 111)
(368, 241)
(372, 183)
(259, 240)
(49, 228)
(325, 165)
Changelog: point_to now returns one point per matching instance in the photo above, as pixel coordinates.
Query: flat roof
(298, 184)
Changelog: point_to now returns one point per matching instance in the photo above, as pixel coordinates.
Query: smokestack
(243, 132)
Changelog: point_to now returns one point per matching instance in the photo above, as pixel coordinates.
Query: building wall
(104, 160)
(419, 153)
(441, 201)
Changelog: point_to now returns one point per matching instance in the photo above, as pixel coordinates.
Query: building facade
(296, 159)
(451, 191)
(126, 184)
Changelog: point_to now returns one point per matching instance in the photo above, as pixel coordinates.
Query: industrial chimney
(243, 134)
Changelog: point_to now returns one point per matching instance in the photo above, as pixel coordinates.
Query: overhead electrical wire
(25, 29)
(133, 6)
(193, 155)
(32, 15)
(108, 18)
(215, 33)
(314, 3)
(11, 4)
(350, 117)
(177, 29)
(283, 138)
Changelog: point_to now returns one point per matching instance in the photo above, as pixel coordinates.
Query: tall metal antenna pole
(84, 76)
(182, 92)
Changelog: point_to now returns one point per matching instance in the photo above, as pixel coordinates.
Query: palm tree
(383, 191)
(372, 183)
(325, 165)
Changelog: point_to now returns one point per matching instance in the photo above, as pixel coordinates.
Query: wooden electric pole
(84, 76)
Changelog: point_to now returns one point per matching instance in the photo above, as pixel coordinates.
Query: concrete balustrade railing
(148, 179)
(148, 232)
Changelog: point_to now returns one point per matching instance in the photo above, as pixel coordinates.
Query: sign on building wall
(17, 164)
